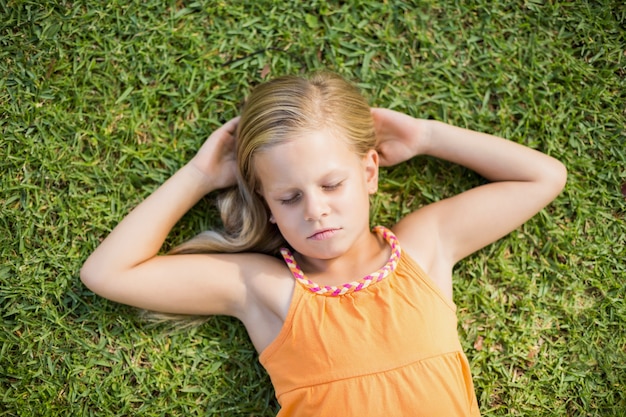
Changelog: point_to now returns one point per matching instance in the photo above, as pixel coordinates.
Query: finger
(231, 125)
(375, 112)
(383, 162)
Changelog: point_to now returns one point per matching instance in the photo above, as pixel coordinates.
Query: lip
(323, 234)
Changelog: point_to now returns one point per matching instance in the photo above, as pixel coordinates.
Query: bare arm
(126, 268)
(523, 181)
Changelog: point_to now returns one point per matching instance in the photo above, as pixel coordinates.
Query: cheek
(358, 191)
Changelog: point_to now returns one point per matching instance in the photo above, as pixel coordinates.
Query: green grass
(102, 101)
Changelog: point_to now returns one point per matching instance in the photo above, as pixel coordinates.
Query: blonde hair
(278, 111)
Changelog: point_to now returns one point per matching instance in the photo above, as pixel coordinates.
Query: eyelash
(295, 198)
(332, 187)
(291, 200)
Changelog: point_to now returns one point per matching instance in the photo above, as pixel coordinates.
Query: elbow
(86, 276)
(552, 180)
(559, 177)
(90, 277)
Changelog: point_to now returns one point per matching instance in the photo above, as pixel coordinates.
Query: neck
(366, 256)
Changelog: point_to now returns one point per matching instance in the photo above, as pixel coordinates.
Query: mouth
(324, 234)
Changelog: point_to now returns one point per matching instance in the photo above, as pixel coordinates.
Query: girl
(351, 321)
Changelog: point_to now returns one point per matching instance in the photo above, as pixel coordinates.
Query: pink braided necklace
(351, 286)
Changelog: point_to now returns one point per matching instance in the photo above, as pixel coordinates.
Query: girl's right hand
(216, 159)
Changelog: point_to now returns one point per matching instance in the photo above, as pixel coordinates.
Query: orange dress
(383, 346)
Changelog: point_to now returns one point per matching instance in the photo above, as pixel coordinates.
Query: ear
(370, 162)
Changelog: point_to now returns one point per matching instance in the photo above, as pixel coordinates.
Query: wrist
(199, 180)
(424, 129)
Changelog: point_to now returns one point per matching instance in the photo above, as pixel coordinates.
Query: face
(317, 190)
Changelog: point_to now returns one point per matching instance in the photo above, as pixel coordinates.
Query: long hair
(278, 111)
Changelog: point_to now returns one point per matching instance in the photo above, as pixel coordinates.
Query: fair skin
(322, 210)
(316, 190)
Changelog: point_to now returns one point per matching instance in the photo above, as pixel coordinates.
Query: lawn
(101, 101)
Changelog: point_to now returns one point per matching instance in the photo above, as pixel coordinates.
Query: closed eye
(297, 197)
(332, 186)
(291, 200)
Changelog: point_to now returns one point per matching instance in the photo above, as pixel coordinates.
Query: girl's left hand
(399, 137)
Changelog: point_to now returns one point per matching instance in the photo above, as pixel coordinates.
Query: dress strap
(351, 286)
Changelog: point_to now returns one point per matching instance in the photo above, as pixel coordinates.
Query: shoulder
(418, 236)
(269, 292)
(269, 282)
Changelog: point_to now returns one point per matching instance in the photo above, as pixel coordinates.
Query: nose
(316, 206)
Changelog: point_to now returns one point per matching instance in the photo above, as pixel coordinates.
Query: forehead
(311, 157)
